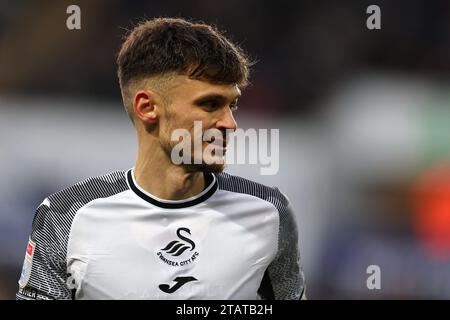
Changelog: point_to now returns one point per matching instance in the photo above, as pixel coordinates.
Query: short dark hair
(198, 50)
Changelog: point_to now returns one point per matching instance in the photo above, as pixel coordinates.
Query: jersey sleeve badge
(27, 264)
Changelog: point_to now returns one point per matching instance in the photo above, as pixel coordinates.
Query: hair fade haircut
(165, 45)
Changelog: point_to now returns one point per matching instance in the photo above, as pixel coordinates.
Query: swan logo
(175, 252)
(176, 248)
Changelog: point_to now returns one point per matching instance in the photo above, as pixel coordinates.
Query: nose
(227, 121)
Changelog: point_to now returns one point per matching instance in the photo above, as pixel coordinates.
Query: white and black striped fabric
(51, 229)
(112, 230)
(284, 278)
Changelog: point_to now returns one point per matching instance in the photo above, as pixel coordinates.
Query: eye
(210, 104)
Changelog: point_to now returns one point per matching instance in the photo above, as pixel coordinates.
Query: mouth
(218, 143)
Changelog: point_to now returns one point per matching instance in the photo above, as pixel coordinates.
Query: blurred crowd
(304, 48)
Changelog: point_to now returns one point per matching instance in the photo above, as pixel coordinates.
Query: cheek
(197, 129)
(193, 119)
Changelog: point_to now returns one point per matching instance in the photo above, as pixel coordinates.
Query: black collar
(211, 182)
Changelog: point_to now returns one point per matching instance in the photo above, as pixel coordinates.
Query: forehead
(191, 89)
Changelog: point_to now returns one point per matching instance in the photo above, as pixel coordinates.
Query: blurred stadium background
(364, 119)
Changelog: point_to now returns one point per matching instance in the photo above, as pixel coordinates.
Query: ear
(145, 106)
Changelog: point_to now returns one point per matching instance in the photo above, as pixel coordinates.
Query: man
(165, 230)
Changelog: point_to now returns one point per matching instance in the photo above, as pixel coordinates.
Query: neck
(156, 174)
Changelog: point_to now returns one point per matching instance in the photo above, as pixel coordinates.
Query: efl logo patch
(27, 264)
(30, 249)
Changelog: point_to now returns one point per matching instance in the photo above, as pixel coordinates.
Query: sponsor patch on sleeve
(27, 264)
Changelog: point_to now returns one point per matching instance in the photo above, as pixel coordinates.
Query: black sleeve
(43, 274)
(284, 278)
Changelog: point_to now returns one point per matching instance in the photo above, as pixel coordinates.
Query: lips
(219, 143)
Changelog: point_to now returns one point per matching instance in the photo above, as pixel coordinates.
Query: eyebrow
(213, 96)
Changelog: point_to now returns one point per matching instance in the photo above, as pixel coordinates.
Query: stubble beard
(167, 145)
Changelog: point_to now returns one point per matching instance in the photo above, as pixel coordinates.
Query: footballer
(165, 230)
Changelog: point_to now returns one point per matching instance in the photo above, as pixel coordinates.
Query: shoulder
(63, 205)
(90, 189)
(287, 228)
(241, 185)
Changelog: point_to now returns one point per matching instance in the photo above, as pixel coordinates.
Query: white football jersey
(107, 238)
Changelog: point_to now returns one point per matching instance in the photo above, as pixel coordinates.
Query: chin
(214, 168)
(207, 168)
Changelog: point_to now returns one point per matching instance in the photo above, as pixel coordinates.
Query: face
(211, 104)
